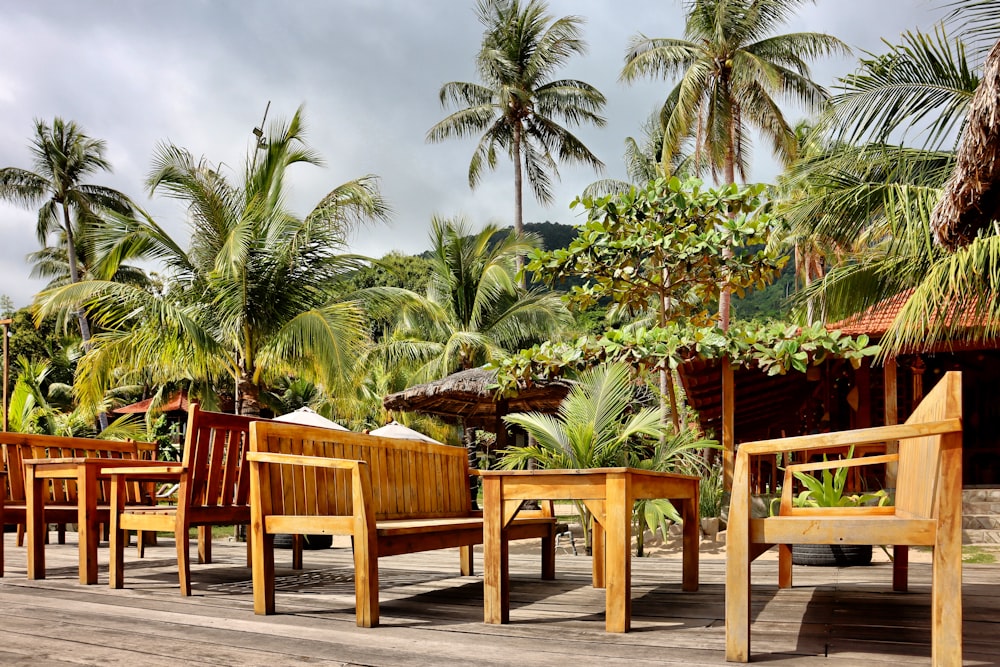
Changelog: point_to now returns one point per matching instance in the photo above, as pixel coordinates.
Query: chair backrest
(215, 448)
(20, 446)
(921, 464)
(410, 479)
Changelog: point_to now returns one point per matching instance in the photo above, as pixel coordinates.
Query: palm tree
(255, 297)
(517, 108)
(598, 426)
(732, 68)
(474, 310)
(63, 156)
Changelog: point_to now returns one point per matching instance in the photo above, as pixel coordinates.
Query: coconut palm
(63, 156)
(474, 310)
(733, 70)
(517, 107)
(254, 298)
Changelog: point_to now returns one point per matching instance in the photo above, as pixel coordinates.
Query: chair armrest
(300, 460)
(860, 436)
(158, 472)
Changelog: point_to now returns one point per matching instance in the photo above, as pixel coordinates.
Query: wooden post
(891, 417)
(728, 424)
(6, 368)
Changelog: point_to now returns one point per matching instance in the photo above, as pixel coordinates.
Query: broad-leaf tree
(659, 249)
(517, 107)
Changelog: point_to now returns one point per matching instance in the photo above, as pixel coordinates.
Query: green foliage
(774, 347)
(711, 493)
(662, 247)
(828, 490)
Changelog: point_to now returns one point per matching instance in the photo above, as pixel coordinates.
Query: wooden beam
(728, 424)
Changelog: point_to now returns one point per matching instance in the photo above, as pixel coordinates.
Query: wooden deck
(432, 616)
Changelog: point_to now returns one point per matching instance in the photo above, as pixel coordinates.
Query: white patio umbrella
(396, 430)
(309, 417)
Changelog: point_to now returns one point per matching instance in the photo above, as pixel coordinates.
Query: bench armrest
(302, 460)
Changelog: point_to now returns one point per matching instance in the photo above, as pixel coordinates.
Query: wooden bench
(927, 512)
(391, 496)
(213, 490)
(59, 498)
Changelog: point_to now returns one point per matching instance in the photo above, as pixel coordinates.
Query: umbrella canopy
(396, 430)
(470, 397)
(309, 417)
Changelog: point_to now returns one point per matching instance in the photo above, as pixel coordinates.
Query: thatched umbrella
(470, 397)
(971, 198)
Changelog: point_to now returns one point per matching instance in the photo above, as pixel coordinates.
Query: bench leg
(117, 538)
(297, 548)
(262, 547)
(465, 561)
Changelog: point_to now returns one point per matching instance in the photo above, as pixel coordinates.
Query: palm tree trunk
(518, 197)
(726, 296)
(74, 277)
(248, 394)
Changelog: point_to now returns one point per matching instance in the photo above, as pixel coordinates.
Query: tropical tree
(517, 107)
(256, 296)
(733, 70)
(473, 310)
(63, 156)
(597, 426)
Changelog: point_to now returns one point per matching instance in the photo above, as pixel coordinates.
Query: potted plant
(710, 502)
(829, 491)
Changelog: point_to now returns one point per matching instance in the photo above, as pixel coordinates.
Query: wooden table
(86, 473)
(609, 494)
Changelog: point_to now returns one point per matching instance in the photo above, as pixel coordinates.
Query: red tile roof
(176, 402)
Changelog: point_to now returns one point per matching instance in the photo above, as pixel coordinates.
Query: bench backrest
(921, 464)
(215, 447)
(20, 446)
(410, 479)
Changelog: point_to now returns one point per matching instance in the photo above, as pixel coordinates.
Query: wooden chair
(214, 488)
(927, 512)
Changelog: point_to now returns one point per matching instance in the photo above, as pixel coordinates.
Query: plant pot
(310, 542)
(710, 527)
(831, 555)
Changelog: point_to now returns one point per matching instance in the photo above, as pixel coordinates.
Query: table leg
(689, 513)
(618, 555)
(598, 551)
(87, 522)
(496, 575)
(34, 497)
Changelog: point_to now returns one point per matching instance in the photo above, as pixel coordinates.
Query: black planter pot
(831, 555)
(310, 542)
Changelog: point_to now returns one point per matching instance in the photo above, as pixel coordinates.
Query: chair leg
(204, 544)
(140, 543)
(784, 566)
(183, 557)
(20, 534)
(549, 555)
(900, 568)
(946, 603)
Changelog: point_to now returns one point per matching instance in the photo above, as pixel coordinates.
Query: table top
(582, 472)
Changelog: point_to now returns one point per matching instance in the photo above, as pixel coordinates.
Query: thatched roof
(468, 396)
(971, 198)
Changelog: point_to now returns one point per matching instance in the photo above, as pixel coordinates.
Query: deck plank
(431, 615)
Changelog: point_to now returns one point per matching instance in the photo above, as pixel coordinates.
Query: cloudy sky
(199, 74)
